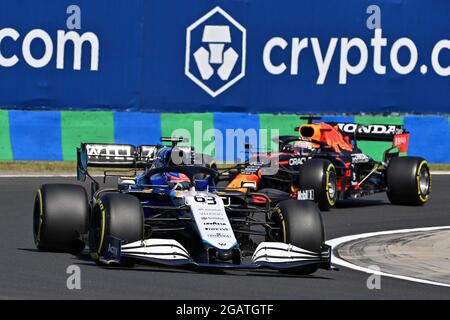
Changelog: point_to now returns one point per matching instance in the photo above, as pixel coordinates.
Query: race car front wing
(269, 255)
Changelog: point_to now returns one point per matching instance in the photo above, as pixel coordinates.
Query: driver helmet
(303, 147)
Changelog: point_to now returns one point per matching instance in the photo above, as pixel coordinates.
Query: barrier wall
(54, 135)
(252, 56)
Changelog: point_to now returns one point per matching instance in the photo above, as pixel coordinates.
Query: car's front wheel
(300, 224)
(117, 215)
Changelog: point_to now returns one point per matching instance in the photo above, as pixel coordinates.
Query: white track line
(440, 173)
(334, 243)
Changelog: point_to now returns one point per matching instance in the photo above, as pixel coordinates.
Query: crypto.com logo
(215, 51)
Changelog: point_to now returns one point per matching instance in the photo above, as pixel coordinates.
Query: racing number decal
(208, 200)
(211, 220)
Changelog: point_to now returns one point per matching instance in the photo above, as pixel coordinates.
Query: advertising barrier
(250, 56)
(55, 135)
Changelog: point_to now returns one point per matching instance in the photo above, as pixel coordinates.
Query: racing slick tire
(319, 175)
(117, 215)
(301, 225)
(60, 216)
(408, 181)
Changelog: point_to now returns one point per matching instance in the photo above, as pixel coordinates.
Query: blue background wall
(142, 56)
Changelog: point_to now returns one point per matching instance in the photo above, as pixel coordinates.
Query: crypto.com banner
(234, 55)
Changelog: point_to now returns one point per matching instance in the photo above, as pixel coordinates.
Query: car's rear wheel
(300, 224)
(319, 175)
(60, 216)
(117, 215)
(408, 181)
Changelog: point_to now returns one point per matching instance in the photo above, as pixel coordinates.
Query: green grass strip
(80, 126)
(5, 141)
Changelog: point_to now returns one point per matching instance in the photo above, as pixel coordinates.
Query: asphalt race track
(27, 273)
(421, 254)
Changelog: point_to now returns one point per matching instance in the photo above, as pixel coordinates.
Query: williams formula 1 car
(323, 163)
(167, 213)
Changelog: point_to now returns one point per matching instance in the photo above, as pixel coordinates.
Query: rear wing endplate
(109, 155)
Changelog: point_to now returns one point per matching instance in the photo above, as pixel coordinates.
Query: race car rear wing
(368, 132)
(108, 155)
(394, 133)
(126, 156)
(371, 132)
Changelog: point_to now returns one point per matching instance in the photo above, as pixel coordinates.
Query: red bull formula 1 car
(324, 163)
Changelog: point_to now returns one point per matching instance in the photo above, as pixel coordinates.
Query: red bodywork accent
(340, 181)
(259, 199)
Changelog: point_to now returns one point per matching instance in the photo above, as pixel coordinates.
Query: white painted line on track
(334, 243)
(440, 173)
